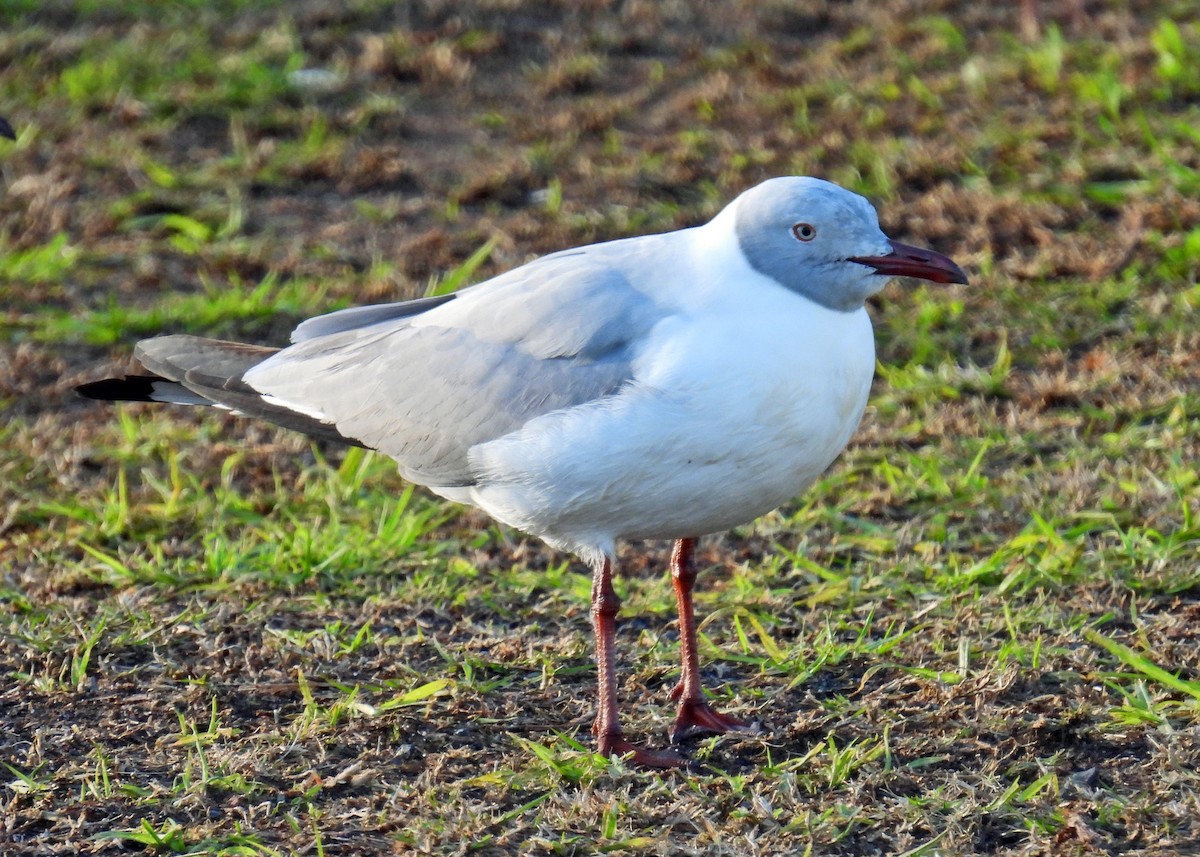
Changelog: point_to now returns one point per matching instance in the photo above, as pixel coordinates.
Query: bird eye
(804, 231)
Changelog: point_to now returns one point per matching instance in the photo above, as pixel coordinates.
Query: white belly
(706, 438)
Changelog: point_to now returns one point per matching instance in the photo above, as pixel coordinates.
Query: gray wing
(425, 388)
(364, 316)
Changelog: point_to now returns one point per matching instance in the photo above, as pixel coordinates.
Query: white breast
(734, 410)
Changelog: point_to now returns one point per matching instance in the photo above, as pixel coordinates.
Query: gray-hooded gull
(657, 387)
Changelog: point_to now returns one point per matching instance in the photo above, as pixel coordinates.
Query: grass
(973, 635)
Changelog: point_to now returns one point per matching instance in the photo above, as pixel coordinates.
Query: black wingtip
(131, 388)
(6, 130)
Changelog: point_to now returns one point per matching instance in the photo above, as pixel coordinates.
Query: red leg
(695, 716)
(607, 727)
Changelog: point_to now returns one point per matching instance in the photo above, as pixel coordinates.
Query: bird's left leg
(607, 728)
(695, 716)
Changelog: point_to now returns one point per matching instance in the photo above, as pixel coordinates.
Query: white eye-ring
(804, 232)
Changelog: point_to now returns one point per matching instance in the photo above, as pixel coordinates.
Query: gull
(656, 387)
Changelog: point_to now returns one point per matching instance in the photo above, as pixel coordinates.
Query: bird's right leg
(607, 728)
(696, 716)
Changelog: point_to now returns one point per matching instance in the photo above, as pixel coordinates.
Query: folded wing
(424, 388)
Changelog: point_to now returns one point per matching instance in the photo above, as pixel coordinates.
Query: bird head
(824, 242)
